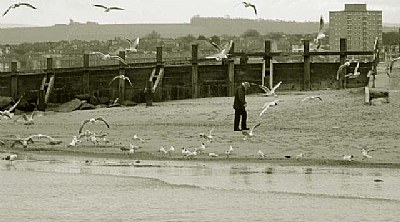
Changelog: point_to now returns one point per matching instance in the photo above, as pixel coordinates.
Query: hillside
(197, 26)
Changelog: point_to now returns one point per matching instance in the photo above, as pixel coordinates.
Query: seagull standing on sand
(261, 154)
(348, 157)
(213, 154)
(270, 92)
(133, 45)
(123, 77)
(93, 120)
(320, 35)
(267, 105)
(365, 152)
(11, 157)
(171, 150)
(13, 6)
(74, 142)
(8, 113)
(108, 56)
(229, 152)
(137, 138)
(162, 150)
(250, 133)
(107, 9)
(201, 149)
(311, 98)
(248, 4)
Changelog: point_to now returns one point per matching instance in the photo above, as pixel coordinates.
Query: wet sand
(321, 130)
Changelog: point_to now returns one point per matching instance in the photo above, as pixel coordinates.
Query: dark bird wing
(255, 126)
(255, 10)
(82, 125)
(27, 4)
(15, 143)
(103, 120)
(7, 10)
(101, 6)
(116, 8)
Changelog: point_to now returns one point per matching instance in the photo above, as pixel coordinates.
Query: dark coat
(240, 99)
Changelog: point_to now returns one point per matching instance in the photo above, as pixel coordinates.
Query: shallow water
(71, 190)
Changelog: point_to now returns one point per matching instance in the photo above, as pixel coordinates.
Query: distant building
(357, 24)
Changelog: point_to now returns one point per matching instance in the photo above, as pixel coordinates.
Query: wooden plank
(366, 95)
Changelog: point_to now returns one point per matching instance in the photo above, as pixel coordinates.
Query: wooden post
(86, 75)
(266, 63)
(195, 71)
(231, 72)
(121, 82)
(343, 56)
(14, 80)
(307, 61)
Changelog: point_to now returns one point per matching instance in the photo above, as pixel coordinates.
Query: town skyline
(177, 11)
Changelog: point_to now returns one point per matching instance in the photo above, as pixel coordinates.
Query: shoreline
(144, 156)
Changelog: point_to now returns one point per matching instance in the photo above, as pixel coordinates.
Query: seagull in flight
(250, 133)
(223, 51)
(133, 45)
(365, 152)
(29, 118)
(108, 56)
(23, 141)
(107, 9)
(93, 120)
(8, 113)
(13, 6)
(311, 98)
(208, 137)
(248, 4)
(267, 105)
(52, 141)
(272, 91)
(320, 35)
(123, 77)
(356, 73)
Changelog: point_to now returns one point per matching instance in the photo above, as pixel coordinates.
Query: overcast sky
(51, 12)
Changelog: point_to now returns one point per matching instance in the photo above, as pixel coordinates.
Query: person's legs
(237, 120)
(244, 120)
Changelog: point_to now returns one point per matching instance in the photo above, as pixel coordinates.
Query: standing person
(240, 106)
(341, 73)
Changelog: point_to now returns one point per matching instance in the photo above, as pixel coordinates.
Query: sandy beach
(323, 131)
